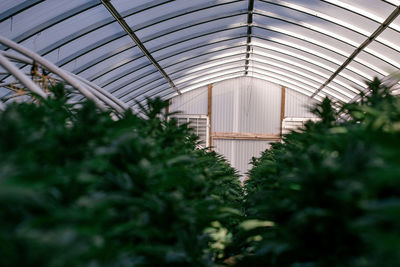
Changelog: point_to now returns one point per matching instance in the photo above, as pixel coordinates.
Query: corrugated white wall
(240, 152)
(298, 105)
(192, 102)
(246, 104)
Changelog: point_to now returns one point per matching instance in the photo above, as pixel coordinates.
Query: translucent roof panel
(138, 49)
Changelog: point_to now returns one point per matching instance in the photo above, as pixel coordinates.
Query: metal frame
(328, 19)
(183, 69)
(290, 70)
(68, 39)
(138, 42)
(50, 66)
(206, 53)
(69, 14)
(250, 9)
(373, 36)
(310, 52)
(332, 35)
(102, 95)
(17, 73)
(89, 29)
(320, 45)
(86, 88)
(145, 84)
(316, 43)
(254, 74)
(17, 9)
(227, 29)
(291, 63)
(295, 85)
(179, 41)
(280, 49)
(188, 49)
(161, 19)
(308, 60)
(283, 67)
(172, 55)
(168, 66)
(219, 78)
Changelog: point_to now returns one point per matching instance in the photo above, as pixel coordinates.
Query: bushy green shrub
(80, 189)
(329, 195)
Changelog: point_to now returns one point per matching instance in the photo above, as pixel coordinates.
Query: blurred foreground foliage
(80, 189)
(329, 195)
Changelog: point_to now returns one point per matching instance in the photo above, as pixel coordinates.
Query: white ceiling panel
(161, 48)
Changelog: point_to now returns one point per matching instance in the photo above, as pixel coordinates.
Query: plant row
(78, 188)
(329, 194)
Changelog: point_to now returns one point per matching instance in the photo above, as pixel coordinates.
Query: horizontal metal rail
(137, 41)
(373, 36)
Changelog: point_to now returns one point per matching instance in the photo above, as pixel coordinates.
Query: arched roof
(136, 49)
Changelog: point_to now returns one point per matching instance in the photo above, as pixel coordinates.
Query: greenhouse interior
(200, 133)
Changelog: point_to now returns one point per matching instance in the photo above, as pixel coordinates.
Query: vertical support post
(209, 114)
(283, 97)
(167, 107)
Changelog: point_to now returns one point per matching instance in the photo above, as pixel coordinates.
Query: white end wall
(298, 105)
(246, 105)
(192, 102)
(243, 105)
(240, 152)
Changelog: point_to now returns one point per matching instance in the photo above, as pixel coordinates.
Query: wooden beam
(209, 114)
(283, 98)
(167, 106)
(245, 136)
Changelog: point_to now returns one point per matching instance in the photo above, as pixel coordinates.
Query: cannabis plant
(80, 189)
(329, 194)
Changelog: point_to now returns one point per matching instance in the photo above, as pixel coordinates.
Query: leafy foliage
(78, 188)
(329, 195)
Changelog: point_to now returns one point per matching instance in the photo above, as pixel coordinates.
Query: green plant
(78, 188)
(328, 195)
